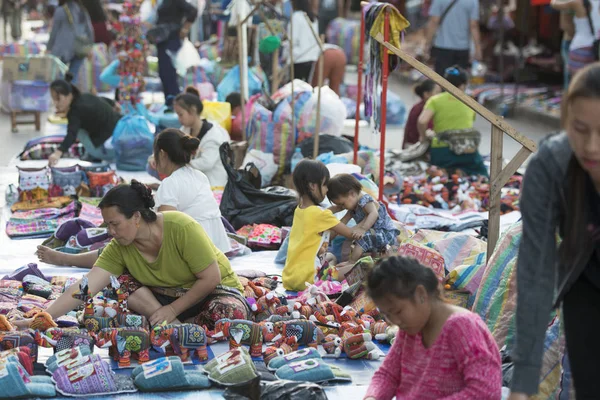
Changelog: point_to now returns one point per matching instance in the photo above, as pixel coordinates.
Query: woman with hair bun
(165, 261)
(185, 188)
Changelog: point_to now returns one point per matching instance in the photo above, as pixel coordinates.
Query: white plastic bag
(333, 114)
(186, 57)
(148, 13)
(265, 164)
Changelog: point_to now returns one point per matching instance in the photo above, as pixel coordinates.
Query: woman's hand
(163, 314)
(518, 396)
(54, 157)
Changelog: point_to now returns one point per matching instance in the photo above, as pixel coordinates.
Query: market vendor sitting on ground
(207, 159)
(92, 121)
(453, 123)
(165, 261)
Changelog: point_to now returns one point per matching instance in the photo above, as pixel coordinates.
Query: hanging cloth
(374, 24)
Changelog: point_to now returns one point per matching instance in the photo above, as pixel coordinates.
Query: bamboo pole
(243, 76)
(320, 84)
(292, 74)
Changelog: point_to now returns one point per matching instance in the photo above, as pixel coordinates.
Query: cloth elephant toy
(64, 338)
(123, 342)
(240, 331)
(306, 332)
(181, 339)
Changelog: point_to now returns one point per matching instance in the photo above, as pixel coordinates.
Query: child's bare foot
(50, 256)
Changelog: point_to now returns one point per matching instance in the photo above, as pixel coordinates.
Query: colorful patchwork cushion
(9, 295)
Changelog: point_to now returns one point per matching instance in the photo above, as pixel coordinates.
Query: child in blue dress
(374, 230)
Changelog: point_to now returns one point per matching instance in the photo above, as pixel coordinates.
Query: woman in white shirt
(186, 189)
(304, 45)
(207, 159)
(586, 20)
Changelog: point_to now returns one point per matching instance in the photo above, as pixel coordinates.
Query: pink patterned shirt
(462, 364)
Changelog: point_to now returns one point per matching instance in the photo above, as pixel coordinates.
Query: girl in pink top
(441, 351)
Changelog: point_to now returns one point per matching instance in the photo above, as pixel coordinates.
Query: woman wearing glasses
(454, 146)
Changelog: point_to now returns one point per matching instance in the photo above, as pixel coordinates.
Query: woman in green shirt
(170, 267)
(450, 114)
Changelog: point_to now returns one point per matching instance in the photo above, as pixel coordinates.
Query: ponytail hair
(178, 146)
(64, 87)
(190, 100)
(423, 87)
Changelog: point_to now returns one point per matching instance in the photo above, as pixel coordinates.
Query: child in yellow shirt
(310, 222)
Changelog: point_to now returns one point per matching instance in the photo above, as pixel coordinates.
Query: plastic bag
(265, 164)
(133, 141)
(328, 143)
(333, 114)
(186, 57)
(231, 83)
(218, 112)
(278, 390)
(243, 204)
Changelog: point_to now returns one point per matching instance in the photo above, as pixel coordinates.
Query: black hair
(304, 5)
(423, 87)
(64, 87)
(235, 99)
(190, 98)
(576, 238)
(307, 172)
(178, 146)
(456, 75)
(135, 197)
(400, 276)
(341, 185)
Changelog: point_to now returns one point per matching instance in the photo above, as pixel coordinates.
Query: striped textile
(579, 58)
(496, 305)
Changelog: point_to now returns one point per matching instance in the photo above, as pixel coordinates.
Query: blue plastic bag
(133, 141)
(231, 83)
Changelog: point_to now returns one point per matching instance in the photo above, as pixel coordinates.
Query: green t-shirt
(449, 113)
(186, 250)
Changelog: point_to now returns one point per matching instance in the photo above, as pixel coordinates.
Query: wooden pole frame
(498, 175)
(256, 7)
(319, 84)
